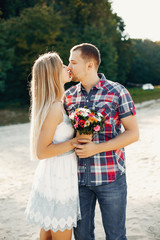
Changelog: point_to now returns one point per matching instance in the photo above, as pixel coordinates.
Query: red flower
(81, 123)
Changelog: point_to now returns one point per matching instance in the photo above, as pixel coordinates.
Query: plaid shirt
(114, 102)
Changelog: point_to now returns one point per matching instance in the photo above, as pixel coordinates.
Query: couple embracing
(61, 201)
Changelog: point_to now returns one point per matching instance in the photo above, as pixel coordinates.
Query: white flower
(85, 114)
(87, 123)
(84, 110)
(80, 109)
(71, 116)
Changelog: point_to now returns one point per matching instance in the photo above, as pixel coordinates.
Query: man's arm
(130, 135)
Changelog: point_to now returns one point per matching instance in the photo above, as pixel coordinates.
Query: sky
(141, 17)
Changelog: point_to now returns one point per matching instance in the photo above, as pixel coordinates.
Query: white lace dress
(54, 200)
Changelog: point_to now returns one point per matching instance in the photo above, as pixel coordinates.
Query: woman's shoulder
(56, 109)
(56, 105)
(55, 113)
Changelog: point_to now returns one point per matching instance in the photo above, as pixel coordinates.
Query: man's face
(77, 66)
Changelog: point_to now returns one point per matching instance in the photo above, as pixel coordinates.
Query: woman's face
(65, 74)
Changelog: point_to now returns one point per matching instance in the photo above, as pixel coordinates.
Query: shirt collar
(99, 85)
(101, 81)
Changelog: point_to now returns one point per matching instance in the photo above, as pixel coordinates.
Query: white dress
(54, 200)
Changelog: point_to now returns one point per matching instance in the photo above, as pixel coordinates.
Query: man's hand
(85, 148)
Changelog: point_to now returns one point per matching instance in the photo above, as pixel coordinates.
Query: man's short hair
(88, 52)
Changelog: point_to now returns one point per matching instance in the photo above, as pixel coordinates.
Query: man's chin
(73, 79)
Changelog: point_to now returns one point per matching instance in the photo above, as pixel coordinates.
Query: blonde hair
(46, 88)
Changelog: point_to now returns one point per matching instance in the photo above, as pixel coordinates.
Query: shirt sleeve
(64, 101)
(67, 100)
(126, 105)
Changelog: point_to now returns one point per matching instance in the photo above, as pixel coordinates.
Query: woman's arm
(45, 147)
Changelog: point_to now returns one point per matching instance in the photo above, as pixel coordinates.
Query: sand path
(143, 171)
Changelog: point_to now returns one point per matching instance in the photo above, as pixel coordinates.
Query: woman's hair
(46, 88)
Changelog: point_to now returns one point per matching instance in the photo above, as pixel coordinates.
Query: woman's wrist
(74, 140)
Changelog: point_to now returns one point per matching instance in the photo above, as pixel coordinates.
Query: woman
(54, 202)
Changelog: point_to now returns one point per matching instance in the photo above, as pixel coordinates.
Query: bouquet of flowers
(86, 121)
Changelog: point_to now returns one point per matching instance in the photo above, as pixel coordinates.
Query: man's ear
(90, 65)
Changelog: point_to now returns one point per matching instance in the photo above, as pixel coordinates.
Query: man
(101, 162)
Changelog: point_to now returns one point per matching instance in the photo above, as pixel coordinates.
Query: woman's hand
(85, 148)
(78, 138)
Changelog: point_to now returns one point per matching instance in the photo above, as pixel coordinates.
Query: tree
(145, 67)
(86, 22)
(126, 55)
(6, 56)
(32, 33)
(10, 8)
(30, 28)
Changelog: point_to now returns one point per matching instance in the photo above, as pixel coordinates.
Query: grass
(139, 95)
(14, 113)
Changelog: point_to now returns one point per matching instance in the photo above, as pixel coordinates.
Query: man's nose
(69, 66)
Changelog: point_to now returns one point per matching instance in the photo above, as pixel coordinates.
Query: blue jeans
(112, 201)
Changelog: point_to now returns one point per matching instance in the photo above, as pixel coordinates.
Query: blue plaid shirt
(113, 101)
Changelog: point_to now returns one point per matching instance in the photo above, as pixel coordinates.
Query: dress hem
(58, 228)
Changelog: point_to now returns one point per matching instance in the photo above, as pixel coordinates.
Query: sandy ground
(143, 172)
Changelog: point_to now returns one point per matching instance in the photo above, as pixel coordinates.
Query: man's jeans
(112, 201)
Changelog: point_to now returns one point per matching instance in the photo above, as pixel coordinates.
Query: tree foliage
(30, 28)
(145, 67)
(25, 38)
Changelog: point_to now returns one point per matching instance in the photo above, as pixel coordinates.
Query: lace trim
(53, 224)
(52, 214)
